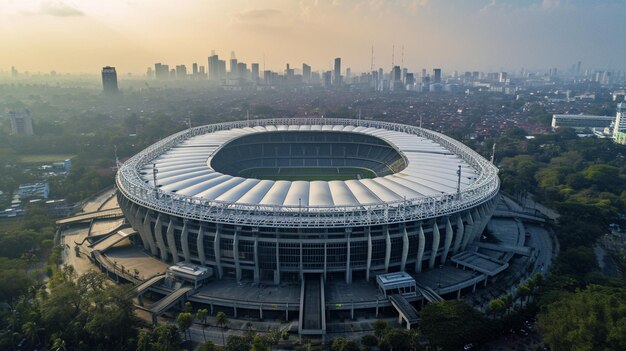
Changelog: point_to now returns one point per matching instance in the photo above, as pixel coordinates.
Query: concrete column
(218, 251)
(459, 234)
(348, 270)
(236, 253)
(387, 247)
(171, 242)
(301, 273)
(369, 253)
(469, 230)
(435, 247)
(158, 232)
(325, 259)
(257, 275)
(477, 225)
(420, 248)
(184, 241)
(277, 271)
(148, 230)
(447, 241)
(136, 223)
(405, 247)
(200, 245)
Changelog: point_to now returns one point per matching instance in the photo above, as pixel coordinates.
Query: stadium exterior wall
(274, 245)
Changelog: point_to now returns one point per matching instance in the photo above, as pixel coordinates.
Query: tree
(184, 321)
(259, 344)
(452, 324)
(496, 307)
(341, 344)
(397, 340)
(368, 342)
(523, 292)
(237, 343)
(201, 315)
(590, 319)
(222, 322)
(207, 346)
(31, 332)
(380, 328)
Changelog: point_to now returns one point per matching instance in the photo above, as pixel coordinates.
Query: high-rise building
(337, 72)
(161, 71)
(437, 75)
(214, 67)
(503, 77)
(109, 80)
(21, 122)
(327, 78)
(194, 70)
(395, 79)
(181, 72)
(14, 72)
(620, 120)
(348, 75)
(233, 68)
(306, 73)
(254, 68)
(289, 73)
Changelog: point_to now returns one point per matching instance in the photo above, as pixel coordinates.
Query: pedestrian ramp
(312, 305)
(113, 239)
(406, 311)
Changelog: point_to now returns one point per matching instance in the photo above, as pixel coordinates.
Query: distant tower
(214, 69)
(337, 72)
(194, 70)
(620, 120)
(255, 72)
(437, 75)
(109, 80)
(21, 122)
(306, 73)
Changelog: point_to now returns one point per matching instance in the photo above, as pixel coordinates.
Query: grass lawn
(44, 158)
(308, 173)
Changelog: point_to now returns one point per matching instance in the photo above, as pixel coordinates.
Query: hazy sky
(84, 35)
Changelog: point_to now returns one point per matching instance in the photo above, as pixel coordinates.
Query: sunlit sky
(84, 35)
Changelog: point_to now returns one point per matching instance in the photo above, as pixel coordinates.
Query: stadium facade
(270, 200)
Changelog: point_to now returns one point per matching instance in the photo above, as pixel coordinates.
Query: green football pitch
(308, 173)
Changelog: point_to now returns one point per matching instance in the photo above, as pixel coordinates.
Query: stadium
(284, 200)
(316, 216)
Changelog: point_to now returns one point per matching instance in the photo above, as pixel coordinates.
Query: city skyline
(478, 35)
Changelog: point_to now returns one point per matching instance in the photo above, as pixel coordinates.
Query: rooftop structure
(581, 122)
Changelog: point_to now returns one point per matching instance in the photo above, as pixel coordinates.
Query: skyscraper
(181, 72)
(109, 80)
(337, 72)
(213, 67)
(194, 70)
(255, 72)
(620, 120)
(161, 71)
(437, 75)
(21, 122)
(306, 73)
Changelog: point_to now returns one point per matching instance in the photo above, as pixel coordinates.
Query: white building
(581, 122)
